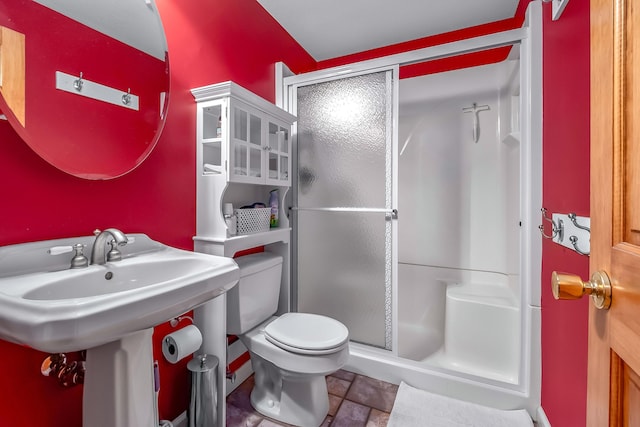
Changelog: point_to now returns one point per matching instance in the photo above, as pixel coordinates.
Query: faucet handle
(79, 260)
(57, 250)
(114, 254)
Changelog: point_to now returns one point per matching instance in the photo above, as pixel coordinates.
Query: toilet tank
(255, 297)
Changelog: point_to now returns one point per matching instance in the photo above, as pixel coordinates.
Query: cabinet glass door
(255, 146)
(278, 147)
(247, 146)
(211, 138)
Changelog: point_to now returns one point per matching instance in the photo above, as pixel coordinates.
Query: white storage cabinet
(242, 136)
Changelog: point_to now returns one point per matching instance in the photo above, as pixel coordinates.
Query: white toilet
(290, 354)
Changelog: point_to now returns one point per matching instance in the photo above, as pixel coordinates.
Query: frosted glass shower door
(343, 214)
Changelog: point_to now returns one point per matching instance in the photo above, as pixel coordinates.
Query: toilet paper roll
(178, 345)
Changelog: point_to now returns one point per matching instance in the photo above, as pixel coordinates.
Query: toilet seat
(305, 333)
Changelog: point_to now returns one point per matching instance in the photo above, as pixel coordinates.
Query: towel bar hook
(574, 242)
(556, 229)
(78, 83)
(574, 220)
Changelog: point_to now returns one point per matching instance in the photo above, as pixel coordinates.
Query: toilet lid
(306, 333)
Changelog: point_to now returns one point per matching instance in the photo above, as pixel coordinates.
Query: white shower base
(459, 334)
(482, 332)
(462, 320)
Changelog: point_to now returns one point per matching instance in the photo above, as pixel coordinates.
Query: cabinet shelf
(211, 170)
(247, 241)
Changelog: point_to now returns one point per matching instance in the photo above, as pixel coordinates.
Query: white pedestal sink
(119, 386)
(109, 310)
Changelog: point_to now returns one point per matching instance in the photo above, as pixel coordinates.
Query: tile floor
(354, 401)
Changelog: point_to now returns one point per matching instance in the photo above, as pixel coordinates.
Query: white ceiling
(332, 28)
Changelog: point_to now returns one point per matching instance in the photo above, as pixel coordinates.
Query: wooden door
(613, 397)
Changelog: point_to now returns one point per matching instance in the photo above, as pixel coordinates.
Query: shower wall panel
(457, 196)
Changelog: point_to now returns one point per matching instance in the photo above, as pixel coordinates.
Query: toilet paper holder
(181, 343)
(174, 322)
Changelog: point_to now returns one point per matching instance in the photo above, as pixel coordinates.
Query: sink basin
(132, 275)
(48, 306)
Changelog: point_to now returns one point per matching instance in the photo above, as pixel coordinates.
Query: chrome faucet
(115, 238)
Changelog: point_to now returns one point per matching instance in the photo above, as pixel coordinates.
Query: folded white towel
(419, 408)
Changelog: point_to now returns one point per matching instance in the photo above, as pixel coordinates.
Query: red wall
(209, 42)
(565, 189)
(235, 39)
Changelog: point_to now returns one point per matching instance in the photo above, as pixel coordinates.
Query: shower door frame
(390, 212)
(529, 40)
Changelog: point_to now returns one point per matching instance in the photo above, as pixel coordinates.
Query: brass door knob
(570, 286)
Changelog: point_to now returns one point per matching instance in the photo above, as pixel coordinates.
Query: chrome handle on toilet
(571, 286)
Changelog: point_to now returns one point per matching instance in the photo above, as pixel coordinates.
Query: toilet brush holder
(203, 405)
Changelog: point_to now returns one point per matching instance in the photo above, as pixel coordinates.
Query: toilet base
(297, 399)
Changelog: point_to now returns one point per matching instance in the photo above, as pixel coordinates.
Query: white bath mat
(419, 408)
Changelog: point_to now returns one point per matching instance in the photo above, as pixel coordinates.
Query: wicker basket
(252, 220)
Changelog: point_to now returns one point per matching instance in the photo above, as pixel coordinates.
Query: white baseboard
(542, 420)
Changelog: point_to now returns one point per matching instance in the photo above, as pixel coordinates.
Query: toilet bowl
(291, 353)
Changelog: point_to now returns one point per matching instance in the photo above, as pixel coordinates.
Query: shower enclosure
(415, 209)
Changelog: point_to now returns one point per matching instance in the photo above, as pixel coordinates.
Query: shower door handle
(570, 286)
(392, 212)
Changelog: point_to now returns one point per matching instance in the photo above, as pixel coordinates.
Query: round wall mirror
(85, 83)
